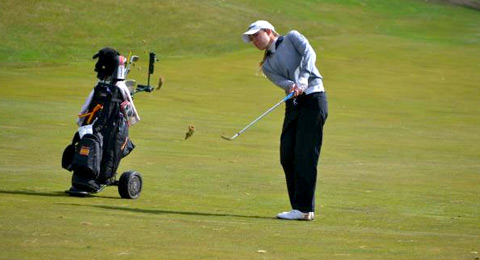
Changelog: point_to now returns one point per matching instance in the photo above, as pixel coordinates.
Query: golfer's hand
(298, 91)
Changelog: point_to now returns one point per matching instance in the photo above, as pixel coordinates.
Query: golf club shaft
(264, 114)
(129, 62)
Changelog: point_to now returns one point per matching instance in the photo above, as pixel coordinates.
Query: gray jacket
(293, 61)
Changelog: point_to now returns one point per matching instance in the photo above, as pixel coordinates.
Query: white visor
(255, 27)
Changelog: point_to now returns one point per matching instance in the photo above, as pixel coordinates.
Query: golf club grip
(289, 96)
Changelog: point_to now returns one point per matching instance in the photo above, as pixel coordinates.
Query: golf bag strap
(91, 114)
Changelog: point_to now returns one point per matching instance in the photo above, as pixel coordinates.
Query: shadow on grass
(158, 212)
(135, 210)
(34, 193)
(48, 194)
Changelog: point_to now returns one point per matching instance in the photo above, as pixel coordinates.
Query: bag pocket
(88, 156)
(123, 141)
(69, 153)
(67, 157)
(127, 147)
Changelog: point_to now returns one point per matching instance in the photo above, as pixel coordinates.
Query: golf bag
(94, 156)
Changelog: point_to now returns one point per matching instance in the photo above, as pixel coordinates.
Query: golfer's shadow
(159, 212)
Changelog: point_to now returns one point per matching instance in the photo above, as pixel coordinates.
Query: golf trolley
(102, 139)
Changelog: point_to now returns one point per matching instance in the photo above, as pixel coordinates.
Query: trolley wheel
(130, 185)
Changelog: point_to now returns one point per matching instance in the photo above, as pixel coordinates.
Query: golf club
(133, 59)
(258, 118)
(130, 85)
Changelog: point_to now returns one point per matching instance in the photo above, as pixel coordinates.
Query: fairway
(399, 171)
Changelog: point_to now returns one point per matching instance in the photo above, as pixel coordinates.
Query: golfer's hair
(265, 55)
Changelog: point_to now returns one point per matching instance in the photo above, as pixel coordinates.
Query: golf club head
(134, 58)
(144, 88)
(229, 138)
(130, 84)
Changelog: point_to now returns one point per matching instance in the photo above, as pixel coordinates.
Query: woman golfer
(289, 62)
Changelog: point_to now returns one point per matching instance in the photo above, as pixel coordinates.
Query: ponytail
(260, 64)
(265, 55)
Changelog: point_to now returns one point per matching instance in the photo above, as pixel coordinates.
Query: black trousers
(300, 146)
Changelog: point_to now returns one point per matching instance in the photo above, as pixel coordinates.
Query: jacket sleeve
(277, 79)
(307, 63)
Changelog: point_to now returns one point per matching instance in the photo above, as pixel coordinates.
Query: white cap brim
(246, 35)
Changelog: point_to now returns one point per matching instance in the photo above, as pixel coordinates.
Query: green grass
(399, 171)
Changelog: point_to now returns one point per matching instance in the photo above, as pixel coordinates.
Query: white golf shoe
(296, 215)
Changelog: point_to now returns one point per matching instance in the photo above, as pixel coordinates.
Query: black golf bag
(95, 157)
